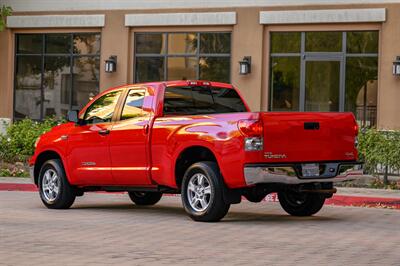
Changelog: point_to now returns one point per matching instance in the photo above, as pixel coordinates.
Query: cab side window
(102, 110)
(133, 106)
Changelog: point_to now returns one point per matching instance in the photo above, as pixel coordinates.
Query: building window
(55, 73)
(325, 71)
(182, 56)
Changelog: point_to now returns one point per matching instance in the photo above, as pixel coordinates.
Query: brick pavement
(107, 229)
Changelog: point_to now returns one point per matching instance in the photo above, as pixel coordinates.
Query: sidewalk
(362, 197)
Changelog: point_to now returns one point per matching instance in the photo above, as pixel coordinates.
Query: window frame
(116, 110)
(166, 54)
(43, 54)
(125, 98)
(305, 56)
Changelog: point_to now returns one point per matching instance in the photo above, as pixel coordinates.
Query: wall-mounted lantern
(396, 66)
(245, 65)
(111, 64)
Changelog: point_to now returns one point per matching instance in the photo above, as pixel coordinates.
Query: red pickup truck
(198, 139)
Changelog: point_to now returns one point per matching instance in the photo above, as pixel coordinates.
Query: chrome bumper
(255, 174)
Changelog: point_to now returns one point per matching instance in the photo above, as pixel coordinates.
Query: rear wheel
(301, 203)
(202, 193)
(54, 188)
(145, 198)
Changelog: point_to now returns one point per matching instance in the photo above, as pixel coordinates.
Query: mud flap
(232, 196)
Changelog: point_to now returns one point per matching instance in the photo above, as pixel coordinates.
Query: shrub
(18, 142)
(379, 149)
(14, 170)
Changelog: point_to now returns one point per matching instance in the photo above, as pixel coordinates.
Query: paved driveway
(108, 229)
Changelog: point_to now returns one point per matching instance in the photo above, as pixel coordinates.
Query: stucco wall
(249, 38)
(389, 85)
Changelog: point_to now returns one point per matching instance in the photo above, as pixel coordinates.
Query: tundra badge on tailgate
(270, 155)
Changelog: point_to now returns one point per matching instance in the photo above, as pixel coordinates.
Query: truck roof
(172, 83)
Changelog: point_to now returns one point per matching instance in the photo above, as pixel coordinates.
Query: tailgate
(309, 137)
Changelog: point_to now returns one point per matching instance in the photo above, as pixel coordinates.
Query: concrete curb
(345, 197)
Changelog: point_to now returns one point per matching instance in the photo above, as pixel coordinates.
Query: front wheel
(145, 198)
(301, 203)
(54, 188)
(202, 193)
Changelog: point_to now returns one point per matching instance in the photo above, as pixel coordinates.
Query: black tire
(216, 208)
(66, 194)
(301, 203)
(254, 195)
(145, 198)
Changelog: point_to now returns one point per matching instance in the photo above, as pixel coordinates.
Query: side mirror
(72, 116)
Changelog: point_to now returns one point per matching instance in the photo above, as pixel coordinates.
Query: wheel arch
(190, 155)
(41, 159)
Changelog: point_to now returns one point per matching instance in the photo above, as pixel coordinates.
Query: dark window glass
(29, 43)
(86, 80)
(56, 85)
(133, 105)
(28, 87)
(285, 42)
(149, 69)
(360, 42)
(201, 100)
(227, 100)
(150, 43)
(285, 83)
(182, 43)
(215, 68)
(215, 43)
(362, 88)
(87, 43)
(322, 86)
(59, 86)
(102, 110)
(182, 68)
(58, 43)
(184, 60)
(324, 41)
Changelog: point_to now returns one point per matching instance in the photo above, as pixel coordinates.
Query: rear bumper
(291, 174)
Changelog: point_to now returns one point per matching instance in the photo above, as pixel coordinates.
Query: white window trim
(56, 21)
(323, 16)
(180, 19)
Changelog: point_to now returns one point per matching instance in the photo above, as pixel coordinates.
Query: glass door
(322, 85)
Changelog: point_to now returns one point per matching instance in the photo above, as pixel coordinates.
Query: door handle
(146, 129)
(104, 132)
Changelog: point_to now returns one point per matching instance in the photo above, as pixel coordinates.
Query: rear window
(201, 100)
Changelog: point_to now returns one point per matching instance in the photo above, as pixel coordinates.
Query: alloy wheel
(50, 185)
(199, 192)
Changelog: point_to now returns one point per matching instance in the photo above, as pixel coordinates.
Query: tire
(202, 185)
(254, 195)
(301, 203)
(145, 198)
(54, 188)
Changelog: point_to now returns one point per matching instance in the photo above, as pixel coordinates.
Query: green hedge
(379, 148)
(18, 142)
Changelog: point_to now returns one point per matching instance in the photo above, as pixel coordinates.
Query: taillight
(250, 128)
(199, 83)
(252, 131)
(356, 129)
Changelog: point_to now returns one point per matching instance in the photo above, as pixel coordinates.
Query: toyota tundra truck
(198, 139)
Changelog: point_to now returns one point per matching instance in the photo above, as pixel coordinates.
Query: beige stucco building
(306, 55)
